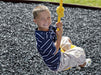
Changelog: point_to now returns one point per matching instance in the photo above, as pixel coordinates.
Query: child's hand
(59, 33)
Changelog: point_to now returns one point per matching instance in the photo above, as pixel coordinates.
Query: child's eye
(48, 17)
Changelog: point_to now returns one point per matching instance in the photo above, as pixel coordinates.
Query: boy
(50, 42)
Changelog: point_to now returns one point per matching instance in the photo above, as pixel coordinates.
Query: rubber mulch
(18, 52)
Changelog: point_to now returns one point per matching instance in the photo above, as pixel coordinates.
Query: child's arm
(59, 36)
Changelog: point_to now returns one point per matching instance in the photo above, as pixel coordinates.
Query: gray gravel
(18, 53)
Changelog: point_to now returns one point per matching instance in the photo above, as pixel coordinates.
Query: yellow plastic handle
(60, 11)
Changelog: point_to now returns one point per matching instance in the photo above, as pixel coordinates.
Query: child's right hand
(59, 33)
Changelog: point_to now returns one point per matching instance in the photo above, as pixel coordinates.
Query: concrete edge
(55, 3)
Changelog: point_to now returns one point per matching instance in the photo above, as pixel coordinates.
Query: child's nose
(46, 21)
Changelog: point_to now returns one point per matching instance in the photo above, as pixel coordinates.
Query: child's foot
(86, 64)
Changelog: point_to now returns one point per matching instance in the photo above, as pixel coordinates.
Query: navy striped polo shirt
(45, 44)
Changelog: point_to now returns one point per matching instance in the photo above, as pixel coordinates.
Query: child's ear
(34, 21)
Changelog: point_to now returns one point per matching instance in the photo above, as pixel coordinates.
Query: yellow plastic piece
(62, 50)
(72, 46)
(57, 29)
(60, 11)
(68, 68)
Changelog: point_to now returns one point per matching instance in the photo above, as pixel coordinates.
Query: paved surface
(18, 53)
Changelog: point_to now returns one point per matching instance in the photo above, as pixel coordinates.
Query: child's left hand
(59, 25)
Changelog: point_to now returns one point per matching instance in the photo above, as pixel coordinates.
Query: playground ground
(18, 52)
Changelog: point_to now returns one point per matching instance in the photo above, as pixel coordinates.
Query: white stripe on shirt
(54, 60)
(45, 43)
(47, 48)
(39, 41)
(47, 54)
(46, 35)
(49, 58)
(40, 35)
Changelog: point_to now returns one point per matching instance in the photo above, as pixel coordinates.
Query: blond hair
(39, 9)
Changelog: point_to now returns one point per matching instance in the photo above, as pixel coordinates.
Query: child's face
(43, 20)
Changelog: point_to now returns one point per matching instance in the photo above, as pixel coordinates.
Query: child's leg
(72, 58)
(65, 43)
(79, 55)
(87, 63)
(83, 65)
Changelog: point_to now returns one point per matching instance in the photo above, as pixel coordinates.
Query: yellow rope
(60, 11)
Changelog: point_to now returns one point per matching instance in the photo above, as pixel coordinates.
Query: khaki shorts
(72, 58)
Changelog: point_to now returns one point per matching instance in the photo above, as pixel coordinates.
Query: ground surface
(18, 53)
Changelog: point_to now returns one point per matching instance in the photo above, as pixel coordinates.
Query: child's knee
(81, 50)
